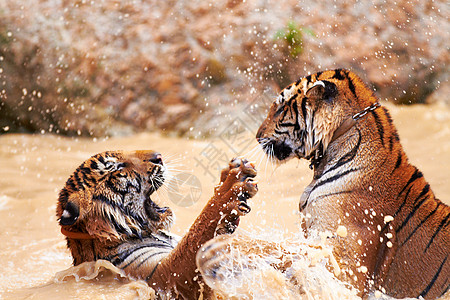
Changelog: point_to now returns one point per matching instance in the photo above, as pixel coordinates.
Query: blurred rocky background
(96, 68)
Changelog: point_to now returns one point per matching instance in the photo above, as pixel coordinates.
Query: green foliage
(4, 38)
(292, 35)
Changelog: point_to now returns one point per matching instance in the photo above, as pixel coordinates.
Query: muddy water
(34, 262)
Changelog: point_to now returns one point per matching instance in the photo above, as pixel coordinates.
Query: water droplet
(388, 219)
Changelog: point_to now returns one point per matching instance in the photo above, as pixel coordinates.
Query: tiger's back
(399, 233)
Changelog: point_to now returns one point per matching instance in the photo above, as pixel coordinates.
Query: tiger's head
(304, 117)
(108, 196)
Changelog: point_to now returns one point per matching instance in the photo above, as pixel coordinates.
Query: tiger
(398, 233)
(105, 212)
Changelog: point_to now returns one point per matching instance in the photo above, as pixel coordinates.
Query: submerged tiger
(105, 212)
(399, 232)
(397, 237)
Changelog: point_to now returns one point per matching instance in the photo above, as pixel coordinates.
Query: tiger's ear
(322, 90)
(70, 214)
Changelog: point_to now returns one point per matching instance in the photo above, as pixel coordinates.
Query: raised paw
(239, 178)
(236, 163)
(236, 187)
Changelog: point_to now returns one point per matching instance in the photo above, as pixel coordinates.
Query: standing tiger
(398, 232)
(106, 212)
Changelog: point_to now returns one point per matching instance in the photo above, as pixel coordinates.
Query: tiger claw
(244, 207)
(251, 187)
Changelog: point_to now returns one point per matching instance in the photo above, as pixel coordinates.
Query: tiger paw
(236, 187)
(238, 178)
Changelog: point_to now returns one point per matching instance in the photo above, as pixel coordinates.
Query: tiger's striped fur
(362, 180)
(106, 212)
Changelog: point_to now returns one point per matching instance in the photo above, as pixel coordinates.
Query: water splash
(263, 266)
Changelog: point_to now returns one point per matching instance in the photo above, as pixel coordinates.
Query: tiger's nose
(156, 159)
(260, 132)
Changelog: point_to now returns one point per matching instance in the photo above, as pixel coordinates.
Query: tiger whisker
(250, 154)
(262, 146)
(272, 160)
(267, 160)
(169, 187)
(259, 149)
(173, 167)
(262, 154)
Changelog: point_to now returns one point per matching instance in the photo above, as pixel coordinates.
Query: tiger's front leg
(178, 271)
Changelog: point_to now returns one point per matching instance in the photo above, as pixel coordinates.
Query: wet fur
(108, 199)
(360, 178)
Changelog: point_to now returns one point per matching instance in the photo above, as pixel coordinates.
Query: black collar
(345, 126)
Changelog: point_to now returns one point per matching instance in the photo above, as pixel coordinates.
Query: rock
(91, 67)
(215, 71)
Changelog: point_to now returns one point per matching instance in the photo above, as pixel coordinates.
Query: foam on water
(4, 202)
(270, 266)
(248, 266)
(99, 278)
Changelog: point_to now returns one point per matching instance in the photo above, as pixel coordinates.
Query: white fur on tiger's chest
(322, 215)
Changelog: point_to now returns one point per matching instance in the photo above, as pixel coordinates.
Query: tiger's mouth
(156, 180)
(281, 150)
(153, 211)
